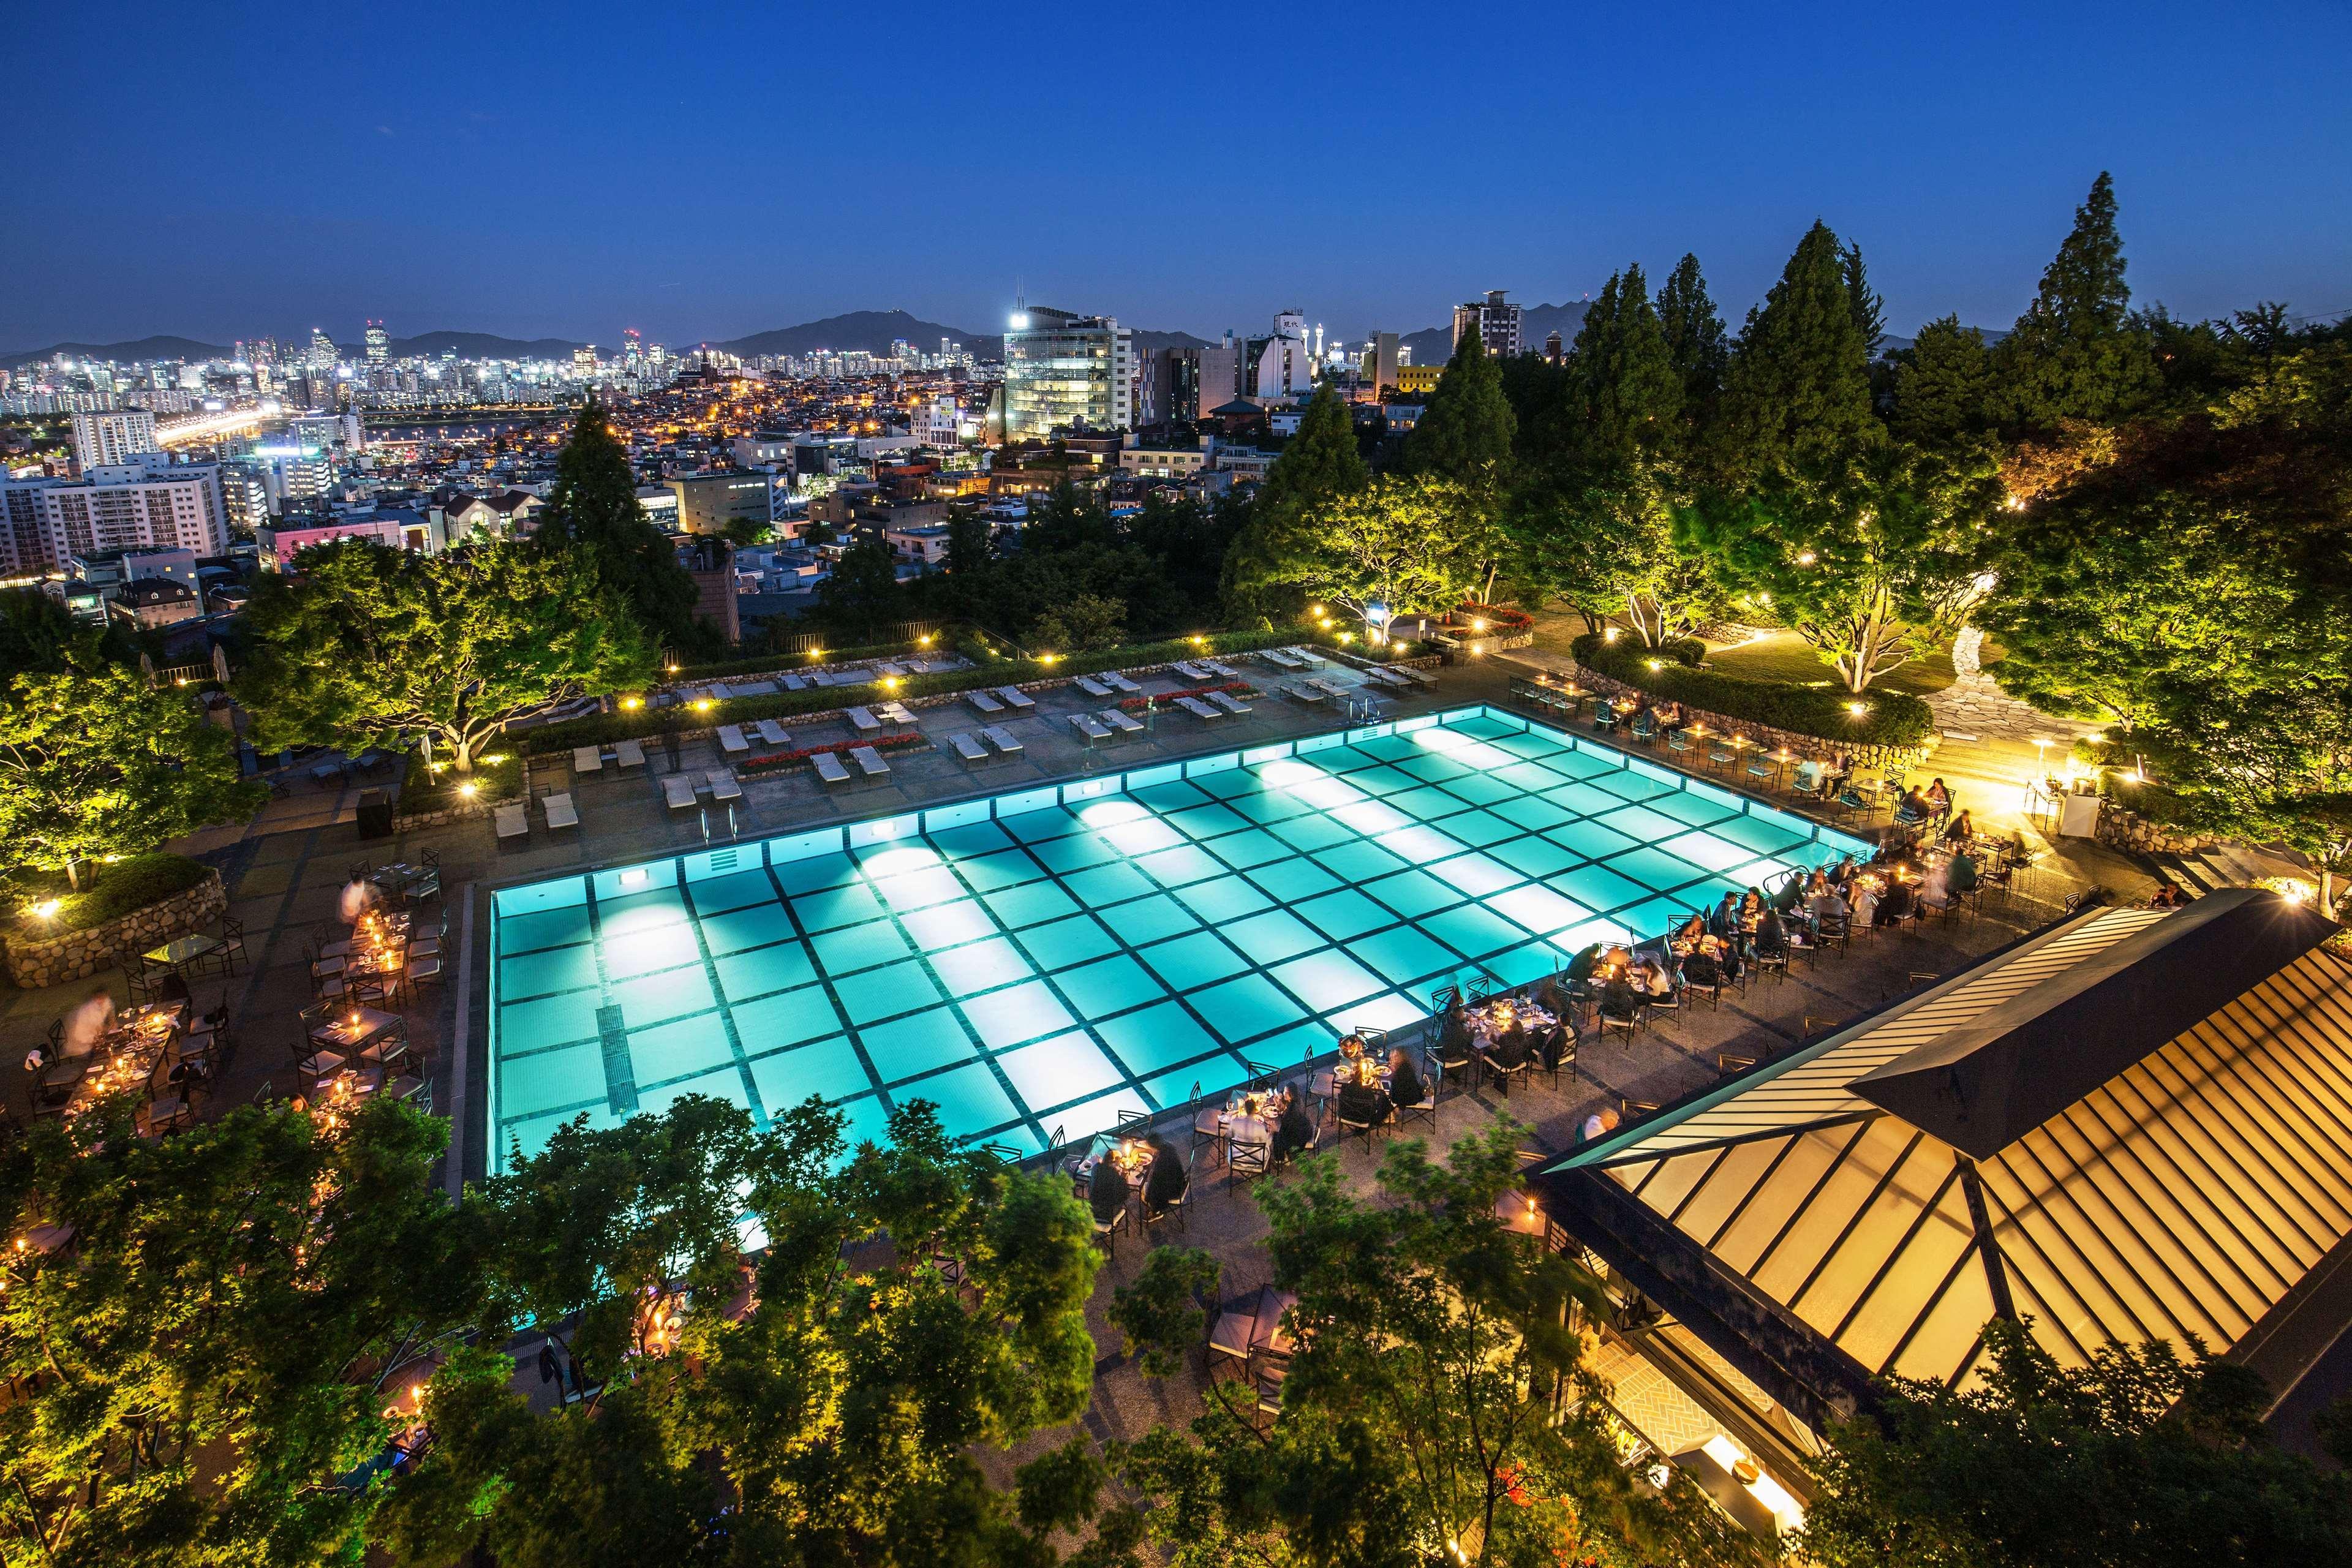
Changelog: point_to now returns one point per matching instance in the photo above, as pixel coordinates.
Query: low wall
(79, 954)
(1764, 735)
(461, 811)
(2120, 828)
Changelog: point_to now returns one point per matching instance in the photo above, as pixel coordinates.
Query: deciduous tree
(1412, 545)
(364, 646)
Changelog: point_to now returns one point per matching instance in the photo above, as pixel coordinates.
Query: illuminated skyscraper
(379, 344)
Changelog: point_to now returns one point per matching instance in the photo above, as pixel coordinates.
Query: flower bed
(1138, 704)
(773, 762)
(1501, 618)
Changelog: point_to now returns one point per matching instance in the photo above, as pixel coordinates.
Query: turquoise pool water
(1042, 960)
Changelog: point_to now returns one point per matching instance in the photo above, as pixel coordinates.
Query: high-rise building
(323, 350)
(113, 438)
(1379, 366)
(632, 350)
(148, 504)
(1497, 321)
(1188, 383)
(379, 344)
(584, 358)
(1280, 364)
(1063, 370)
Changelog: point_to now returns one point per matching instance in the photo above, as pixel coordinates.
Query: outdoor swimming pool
(1046, 958)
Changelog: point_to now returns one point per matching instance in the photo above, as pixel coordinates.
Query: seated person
(1809, 775)
(1454, 1040)
(1107, 1190)
(1359, 1102)
(1963, 874)
(1405, 1087)
(1702, 967)
(1293, 1130)
(1620, 1001)
(1772, 935)
(1751, 908)
(1509, 1048)
(1580, 967)
(1687, 935)
(1656, 980)
(1828, 904)
(1167, 1179)
(1961, 829)
(173, 989)
(1552, 999)
(1939, 800)
(1244, 1130)
(1791, 894)
(1865, 905)
(1896, 906)
(1936, 891)
(1914, 807)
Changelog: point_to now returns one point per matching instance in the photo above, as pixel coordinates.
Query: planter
(448, 814)
(77, 956)
(2120, 828)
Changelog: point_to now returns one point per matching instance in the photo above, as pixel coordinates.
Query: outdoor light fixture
(634, 877)
(672, 669)
(1654, 664)
(1048, 658)
(703, 706)
(1857, 709)
(46, 909)
(1609, 634)
(632, 703)
(468, 788)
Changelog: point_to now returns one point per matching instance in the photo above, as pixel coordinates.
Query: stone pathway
(1974, 708)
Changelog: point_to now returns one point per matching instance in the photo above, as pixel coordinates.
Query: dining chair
(1208, 1128)
(1247, 1162)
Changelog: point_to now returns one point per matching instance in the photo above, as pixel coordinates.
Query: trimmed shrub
(769, 663)
(607, 728)
(126, 886)
(1892, 719)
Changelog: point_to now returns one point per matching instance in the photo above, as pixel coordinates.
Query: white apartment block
(113, 438)
(128, 506)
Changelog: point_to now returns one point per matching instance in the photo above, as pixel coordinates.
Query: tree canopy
(594, 506)
(96, 759)
(1412, 545)
(2076, 353)
(366, 646)
(1319, 466)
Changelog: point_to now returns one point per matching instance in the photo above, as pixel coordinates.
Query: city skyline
(629, 175)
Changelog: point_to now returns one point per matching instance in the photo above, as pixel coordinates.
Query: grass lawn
(1783, 656)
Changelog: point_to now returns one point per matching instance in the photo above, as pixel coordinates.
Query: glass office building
(1062, 370)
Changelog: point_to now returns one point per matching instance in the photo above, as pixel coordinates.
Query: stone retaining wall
(2120, 828)
(79, 954)
(448, 814)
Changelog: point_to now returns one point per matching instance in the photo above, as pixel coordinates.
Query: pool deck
(286, 868)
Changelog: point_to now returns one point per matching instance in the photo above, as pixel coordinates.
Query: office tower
(113, 438)
(1380, 362)
(379, 344)
(1497, 321)
(1063, 369)
(323, 350)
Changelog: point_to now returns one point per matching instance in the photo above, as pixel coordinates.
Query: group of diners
(157, 1050)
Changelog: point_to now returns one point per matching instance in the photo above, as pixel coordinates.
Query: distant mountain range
(474, 345)
(1435, 345)
(123, 353)
(873, 331)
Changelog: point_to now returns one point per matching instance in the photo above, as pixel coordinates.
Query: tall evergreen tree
(1869, 306)
(1465, 435)
(2076, 353)
(1697, 342)
(595, 504)
(1319, 466)
(1943, 385)
(1797, 393)
(1622, 375)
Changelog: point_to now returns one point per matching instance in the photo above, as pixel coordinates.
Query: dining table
(124, 1059)
(180, 952)
(352, 1030)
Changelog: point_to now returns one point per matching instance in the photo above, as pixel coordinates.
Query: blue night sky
(701, 171)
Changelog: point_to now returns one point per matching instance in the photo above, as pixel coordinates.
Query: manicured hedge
(1892, 720)
(606, 729)
(126, 886)
(769, 663)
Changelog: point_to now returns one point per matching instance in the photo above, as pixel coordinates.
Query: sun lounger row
(591, 759)
(869, 763)
(1104, 726)
(1194, 671)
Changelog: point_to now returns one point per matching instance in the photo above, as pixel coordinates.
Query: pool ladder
(734, 828)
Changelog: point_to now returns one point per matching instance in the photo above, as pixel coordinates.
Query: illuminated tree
(96, 759)
(364, 646)
(1412, 545)
(1318, 465)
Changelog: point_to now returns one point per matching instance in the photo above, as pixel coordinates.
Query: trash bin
(376, 813)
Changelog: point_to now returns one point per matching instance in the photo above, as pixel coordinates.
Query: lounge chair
(731, 740)
(1120, 722)
(1002, 738)
(1303, 692)
(1305, 656)
(1119, 682)
(723, 785)
(891, 669)
(773, 733)
(867, 724)
(1227, 702)
(1279, 659)
(587, 759)
(1227, 671)
(1191, 671)
(1198, 708)
(1330, 688)
(870, 762)
(1015, 698)
(752, 688)
(678, 790)
(629, 754)
(561, 812)
(829, 768)
(1089, 726)
(510, 822)
(1091, 687)
(792, 682)
(969, 750)
(896, 713)
(983, 702)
